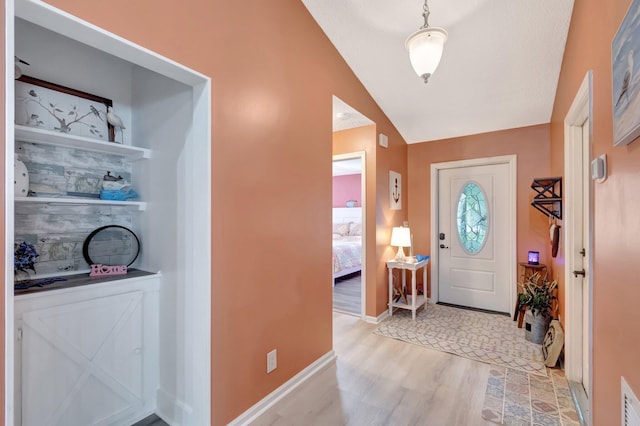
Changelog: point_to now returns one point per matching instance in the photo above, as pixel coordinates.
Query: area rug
(490, 338)
(517, 398)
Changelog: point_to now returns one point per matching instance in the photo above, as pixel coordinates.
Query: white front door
(473, 237)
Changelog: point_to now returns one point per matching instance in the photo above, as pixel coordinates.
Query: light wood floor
(381, 381)
(346, 294)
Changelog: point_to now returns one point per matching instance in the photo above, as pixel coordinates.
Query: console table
(414, 301)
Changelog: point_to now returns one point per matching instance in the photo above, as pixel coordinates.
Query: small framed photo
(625, 73)
(395, 190)
(61, 109)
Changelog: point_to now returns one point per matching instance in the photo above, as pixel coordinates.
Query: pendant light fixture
(425, 47)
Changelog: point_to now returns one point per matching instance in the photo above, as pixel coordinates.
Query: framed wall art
(625, 60)
(61, 109)
(395, 190)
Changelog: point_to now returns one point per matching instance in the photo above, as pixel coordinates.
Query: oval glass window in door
(471, 217)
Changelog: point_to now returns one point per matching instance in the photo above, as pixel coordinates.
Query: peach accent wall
(530, 144)
(616, 202)
(380, 219)
(346, 188)
(273, 75)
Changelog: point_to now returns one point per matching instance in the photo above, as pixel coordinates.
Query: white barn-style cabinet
(88, 355)
(112, 352)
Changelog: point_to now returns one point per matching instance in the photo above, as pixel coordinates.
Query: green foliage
(539, 295)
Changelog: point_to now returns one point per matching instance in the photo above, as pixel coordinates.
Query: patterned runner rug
(517, 398)
(490, 338)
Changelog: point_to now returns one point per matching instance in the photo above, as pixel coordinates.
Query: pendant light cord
(425, 14)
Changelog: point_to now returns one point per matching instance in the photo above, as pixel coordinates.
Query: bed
(347, 241)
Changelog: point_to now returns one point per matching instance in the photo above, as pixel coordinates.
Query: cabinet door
(82, 362)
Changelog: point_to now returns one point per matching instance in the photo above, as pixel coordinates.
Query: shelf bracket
(548, 198)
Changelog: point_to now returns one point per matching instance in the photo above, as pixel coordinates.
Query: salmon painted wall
(379, 217)
(273, 76)
(530, 144)
(347, 188)
(616, 338)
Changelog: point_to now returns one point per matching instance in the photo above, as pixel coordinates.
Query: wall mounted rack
(548, 198)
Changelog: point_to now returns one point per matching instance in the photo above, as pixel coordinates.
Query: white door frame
(363, 194)
(579, 112)
(511, 161)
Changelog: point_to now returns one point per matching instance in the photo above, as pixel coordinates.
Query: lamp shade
(425, 50)
(400, 237)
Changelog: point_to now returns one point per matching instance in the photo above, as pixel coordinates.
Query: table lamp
(400, 237)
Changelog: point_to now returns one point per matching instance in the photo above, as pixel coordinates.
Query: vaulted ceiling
(499, 69)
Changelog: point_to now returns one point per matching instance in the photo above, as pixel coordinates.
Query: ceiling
(352, 166)
(499, 69)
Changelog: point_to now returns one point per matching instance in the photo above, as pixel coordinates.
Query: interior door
(580, 252)
(473, 267)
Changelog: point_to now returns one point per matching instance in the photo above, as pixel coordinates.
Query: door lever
(443, 246)
(581, 272)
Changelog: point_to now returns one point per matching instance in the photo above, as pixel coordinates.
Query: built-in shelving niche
(548, 198)
(166, 107)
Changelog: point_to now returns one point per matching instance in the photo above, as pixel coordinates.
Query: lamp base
(400, 257)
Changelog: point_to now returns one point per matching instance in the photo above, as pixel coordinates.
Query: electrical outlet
(272, 360)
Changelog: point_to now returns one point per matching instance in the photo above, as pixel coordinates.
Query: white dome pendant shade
(425, 50)
(425, 47)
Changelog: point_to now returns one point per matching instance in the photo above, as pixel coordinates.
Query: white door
(82, 362)
(579, 226)
(473, 267)
(578, 248)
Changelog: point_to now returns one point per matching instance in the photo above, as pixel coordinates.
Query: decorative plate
(21, 176)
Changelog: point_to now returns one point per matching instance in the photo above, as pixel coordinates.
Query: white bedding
(347, 255)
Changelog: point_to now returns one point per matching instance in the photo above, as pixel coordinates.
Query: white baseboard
(378, 319)
(171, 410)
(268, 401)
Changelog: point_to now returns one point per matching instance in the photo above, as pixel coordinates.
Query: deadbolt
(441, 236)
(581, 272)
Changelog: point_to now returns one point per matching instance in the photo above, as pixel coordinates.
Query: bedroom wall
(616, 342)
(530, 144)
(271, 155)
(345, 188)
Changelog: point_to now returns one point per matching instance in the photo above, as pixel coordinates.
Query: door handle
(581, 272)
(443, 246)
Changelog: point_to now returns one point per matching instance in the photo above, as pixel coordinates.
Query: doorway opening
(353, 135)
(349, 284)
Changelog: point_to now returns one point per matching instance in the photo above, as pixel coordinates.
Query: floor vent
(630, 406)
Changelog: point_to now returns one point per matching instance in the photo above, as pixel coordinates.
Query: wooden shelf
(47, 137)
(548, 198)
(135, 205)
(400, 303)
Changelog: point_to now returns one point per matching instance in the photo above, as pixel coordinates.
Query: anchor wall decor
(395, 190)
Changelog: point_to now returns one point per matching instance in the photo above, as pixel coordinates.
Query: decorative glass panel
(472, 218)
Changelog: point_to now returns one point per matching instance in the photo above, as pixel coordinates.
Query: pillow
(341, 228)
(355, 228)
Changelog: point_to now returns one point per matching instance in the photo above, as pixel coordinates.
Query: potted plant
(25, 257)
(539, 297)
